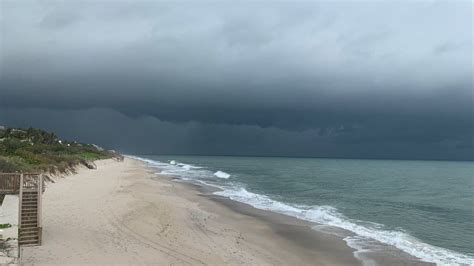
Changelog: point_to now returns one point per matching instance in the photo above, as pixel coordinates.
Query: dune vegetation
(35, 150)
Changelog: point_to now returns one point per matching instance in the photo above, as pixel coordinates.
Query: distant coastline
(314, 157)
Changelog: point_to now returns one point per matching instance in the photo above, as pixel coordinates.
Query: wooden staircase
(30, 230)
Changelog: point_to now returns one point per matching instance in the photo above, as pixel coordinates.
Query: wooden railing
(9, 183)
(31, 181)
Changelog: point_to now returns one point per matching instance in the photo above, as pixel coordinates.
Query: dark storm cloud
(308, 75)
(147, 135)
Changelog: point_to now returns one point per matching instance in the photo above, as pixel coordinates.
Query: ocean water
(425, 208)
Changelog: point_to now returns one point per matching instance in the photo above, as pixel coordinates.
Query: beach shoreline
(124, 212)
(305, 233)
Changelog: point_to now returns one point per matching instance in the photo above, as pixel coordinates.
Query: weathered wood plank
(9, 183)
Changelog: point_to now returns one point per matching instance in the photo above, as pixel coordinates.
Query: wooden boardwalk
(30, 188)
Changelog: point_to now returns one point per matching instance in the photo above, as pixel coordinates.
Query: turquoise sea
(425, 208)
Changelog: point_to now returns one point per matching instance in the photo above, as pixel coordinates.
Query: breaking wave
(221, 174)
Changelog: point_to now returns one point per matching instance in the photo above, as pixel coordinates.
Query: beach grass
(31, 150)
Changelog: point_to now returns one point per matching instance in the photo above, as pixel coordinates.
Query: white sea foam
(188, 166)
(221, 174)
(151, 163)
(173, 162)
(366, 232)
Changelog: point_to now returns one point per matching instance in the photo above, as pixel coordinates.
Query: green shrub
(37, 150)
(8, 167)
(3, 226)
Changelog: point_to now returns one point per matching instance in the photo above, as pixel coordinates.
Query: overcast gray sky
(378, 79)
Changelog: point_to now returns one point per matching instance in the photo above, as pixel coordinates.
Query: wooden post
(39, 211)
(20, 196)
(20, 202)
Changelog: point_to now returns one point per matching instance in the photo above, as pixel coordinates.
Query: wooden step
(28, 215)
(29, 243)
(29, 212)
(31, 229)
(30, 203)
(34, 242)
(29, 208)
(29, 224)
(28, 219)
(29, 235)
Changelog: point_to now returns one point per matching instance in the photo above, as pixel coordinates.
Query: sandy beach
(122, 213)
